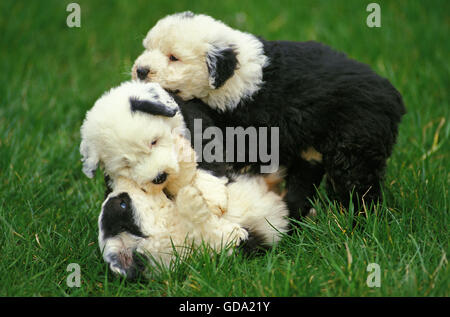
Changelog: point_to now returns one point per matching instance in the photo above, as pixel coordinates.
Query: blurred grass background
(52, 74)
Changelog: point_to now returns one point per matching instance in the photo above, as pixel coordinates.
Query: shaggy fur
(168, 227)
(336, 116)
(119, 138)
(150, 213)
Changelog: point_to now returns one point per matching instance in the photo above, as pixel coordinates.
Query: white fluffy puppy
(133, 221)
(116, 134)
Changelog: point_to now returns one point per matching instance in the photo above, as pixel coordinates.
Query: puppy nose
(142, 72)
(160, 178)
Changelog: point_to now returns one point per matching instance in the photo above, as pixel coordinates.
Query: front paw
(214, 192)
(235, 237)
(191, 204)
(240, 235)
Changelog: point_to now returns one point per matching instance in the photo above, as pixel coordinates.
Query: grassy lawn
(52, 74)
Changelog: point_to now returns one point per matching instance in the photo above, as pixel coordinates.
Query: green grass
(51, 75)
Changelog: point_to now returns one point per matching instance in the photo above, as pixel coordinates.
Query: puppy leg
(191, 205)
(213, 190)
(301, 182)
(203, 224)
(347, 171)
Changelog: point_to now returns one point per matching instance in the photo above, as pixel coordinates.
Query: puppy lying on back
(335, 115)
(135, 132)
(148, 223)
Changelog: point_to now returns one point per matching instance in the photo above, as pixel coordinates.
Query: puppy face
(130, 217)
(129, 132)
(174, 64)
(199, 57)
(176, 59)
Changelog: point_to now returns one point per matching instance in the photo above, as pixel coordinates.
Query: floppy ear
(221, 62)
(89, 158)
(152, 107)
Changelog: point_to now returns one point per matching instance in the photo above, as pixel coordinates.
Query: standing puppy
(335, 115)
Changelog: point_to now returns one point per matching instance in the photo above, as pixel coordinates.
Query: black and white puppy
(335, 115)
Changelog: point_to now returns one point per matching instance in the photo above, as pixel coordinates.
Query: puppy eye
(173, 58)
(153, 143)
(123, 205)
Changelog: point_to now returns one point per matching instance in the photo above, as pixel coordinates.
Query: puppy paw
(237, 235)
(241, 235)
(214, 191)
(192, 205)
(254, 244)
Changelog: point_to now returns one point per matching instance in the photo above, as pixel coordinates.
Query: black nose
(160, 178)
(142, 72)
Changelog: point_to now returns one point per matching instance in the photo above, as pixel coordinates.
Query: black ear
(186, 14)
(222, 63)
(152, 107)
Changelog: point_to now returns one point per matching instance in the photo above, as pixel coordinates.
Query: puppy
(135, 222)
(116, 134)
(335, 115)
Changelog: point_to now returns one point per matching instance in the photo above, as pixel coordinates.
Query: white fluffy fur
(174, 226)
(120, 140)
(190, 39)
(205, 208)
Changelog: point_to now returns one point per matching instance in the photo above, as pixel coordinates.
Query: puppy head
(129, 132)
(199, 57)
(129, 216)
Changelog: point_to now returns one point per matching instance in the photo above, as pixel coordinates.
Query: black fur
(196, 109)
(186, 14)
(319, 97)
(108, 188)
(117, 217)
(221, 64)
(154, 108)
(322, 99)
(254, 245)
(137, 267)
